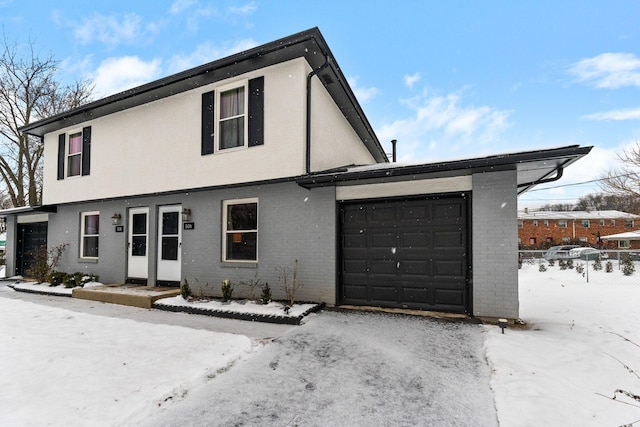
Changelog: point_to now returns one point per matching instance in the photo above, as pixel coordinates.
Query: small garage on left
(30, 228)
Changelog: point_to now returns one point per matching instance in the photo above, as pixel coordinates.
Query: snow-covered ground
(581, 343)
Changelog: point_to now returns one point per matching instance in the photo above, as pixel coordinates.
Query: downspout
(309, 77)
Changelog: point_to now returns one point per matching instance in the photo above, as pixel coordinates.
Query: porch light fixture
(115, 219)
(186, 214)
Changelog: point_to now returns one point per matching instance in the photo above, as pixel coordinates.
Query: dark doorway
(30, 237)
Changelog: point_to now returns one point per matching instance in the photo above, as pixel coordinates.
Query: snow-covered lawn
(581, 341)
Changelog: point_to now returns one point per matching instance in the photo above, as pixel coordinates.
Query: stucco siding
(334, 143)
(156, 147)
(495, 245)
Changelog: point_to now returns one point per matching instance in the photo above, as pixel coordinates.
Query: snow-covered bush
(542, 268)
(597, 264)
(227, 290)
(185, 290)
(628, 267)
(608, 267)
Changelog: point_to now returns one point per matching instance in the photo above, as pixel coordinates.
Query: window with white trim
(546, 222)
(89, 234)
(535, 222)
(584, 239)
(628, 223)
(240, 230)
(602, 223)
(231, 120)
(74, 154)
(624, 244)
(562, 223)
(585, 223)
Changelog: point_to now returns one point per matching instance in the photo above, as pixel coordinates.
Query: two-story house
(541, 229)
(238, 167)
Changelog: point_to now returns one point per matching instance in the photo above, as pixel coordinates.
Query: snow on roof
(577, 215)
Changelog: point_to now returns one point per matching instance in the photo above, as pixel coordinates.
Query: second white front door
(169, 243)
(138, 252)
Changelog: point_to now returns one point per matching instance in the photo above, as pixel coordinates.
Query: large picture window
(231, 123)
(89, 235)
(240, 230)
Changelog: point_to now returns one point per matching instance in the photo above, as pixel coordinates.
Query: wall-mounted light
(115, 219)
(186, 214)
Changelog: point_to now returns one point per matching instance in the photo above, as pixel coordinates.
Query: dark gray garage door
(30, 237)
(410, 253)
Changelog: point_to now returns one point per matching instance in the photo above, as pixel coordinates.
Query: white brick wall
(495, 245)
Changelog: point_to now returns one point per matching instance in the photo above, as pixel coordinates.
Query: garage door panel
(405, 253)
(382, 294)
(448, 268)
(448, 239)
(383, 240)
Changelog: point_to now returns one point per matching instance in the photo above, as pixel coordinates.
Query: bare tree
(624, 180)
(29, 92)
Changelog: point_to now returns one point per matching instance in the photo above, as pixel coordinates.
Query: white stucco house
(237, 167)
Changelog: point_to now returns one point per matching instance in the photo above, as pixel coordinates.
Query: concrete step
(132, 295)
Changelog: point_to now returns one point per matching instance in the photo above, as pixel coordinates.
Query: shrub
(265, 296)
(79, 279)
(227, 290)
(562, 264)
(597, 264)
(570, 264)
(57, 278)
(608, 267)
(44, 261)
(542, 268)
(251, 285)
(580, 268)
(289, 281)
(185, 290)
(551, 262)
(628, 267)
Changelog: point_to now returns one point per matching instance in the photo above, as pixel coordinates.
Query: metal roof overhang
(27, 210)
(533, 168)
(309, 44)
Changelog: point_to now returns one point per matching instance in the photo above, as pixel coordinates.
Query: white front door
(169, 243)
(138, 252)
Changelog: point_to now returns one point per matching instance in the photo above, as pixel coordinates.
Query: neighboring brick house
(542, 229)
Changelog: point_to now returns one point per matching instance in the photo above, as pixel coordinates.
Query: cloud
(246, 9)
(363, 94)
(181, 5)
(442, 126)
(117, 74)
(207, 52)
(410, 80)
(113, 30)
(608, 70)
(622, 114)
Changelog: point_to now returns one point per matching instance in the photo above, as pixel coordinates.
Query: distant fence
(613, 258)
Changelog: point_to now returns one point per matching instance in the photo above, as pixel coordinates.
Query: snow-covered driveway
(346, 369)
(72, 362)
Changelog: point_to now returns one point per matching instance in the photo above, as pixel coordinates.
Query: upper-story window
(74, 157)
(585, 223)
(602, 223)
(535, 222)
(562, 223)
(231, 123)
(546, 222)
(74, 153)
(233, 116)
(629, 223)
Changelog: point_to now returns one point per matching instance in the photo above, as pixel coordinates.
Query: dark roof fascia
(469, 166)
(309, 44)
(27, 209)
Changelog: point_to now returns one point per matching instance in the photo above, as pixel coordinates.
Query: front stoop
(131, 295)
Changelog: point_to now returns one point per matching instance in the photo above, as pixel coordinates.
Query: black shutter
(208, 139)
(61, 155)
(86, 150)
(256, 111)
